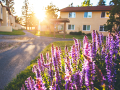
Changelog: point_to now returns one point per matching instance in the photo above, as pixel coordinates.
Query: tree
(18, 20)
(25, 10)
(86, 3)
(114, 18)
(32, 20)
(101, 3)
(51, 11)
(9, 4)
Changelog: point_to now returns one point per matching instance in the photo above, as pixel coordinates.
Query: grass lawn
(14, 32)
(17, 82)
(38, 33)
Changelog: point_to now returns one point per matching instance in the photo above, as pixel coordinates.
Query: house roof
(87, 8)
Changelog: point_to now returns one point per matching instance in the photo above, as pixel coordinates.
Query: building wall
(13, 21)
(6, 28)
(4, 22)
(95, 21)
(18, 25)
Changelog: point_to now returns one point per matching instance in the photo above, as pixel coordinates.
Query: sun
(40, 14)
(38, 9)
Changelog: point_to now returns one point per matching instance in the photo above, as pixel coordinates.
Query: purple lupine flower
(50, 71)
(57, 76)
(37, 71)
(78, 80)
(103, 53)
(39, 84)
(88, 71)
(85, 40)
(52, 52)
(66, 50)
(110, 69)
(94, 51)
(107, 43)
(115, 46)
(22, 88)
(77, 47)
(30, 83)
(47, 57)
(87, 47)
(110, 40)
(68, 67)
(42, 58)
(74, 55)
(40, 65)
(101, 39)
(58, 57)
(97, 40)
(85, 71)
(68, 85)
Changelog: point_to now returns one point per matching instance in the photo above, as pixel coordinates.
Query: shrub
(76, 33)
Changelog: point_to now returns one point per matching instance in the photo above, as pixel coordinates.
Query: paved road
(17, 59)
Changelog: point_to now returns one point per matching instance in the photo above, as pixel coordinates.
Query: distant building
(85, 19)
(7, 20)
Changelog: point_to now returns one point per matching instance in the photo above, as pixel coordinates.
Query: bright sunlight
(39, 10)
(40, 14)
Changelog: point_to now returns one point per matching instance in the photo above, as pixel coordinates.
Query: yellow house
(85, 19)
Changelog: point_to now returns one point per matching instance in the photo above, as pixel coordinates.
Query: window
(101, 28)
(86, 27)
(1, 10)
(87, 14)
(71, 27)
(71, 14)
(104, 15)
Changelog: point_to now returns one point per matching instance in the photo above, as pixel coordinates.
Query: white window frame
(103, 29)
(105, 15)
(87, 15)
(86, 30)
(71, 25)
(72, 17)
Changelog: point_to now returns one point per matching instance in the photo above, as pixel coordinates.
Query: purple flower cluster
(112, 43)
(76, 70)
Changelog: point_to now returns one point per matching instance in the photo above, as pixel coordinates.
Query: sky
(39, 5)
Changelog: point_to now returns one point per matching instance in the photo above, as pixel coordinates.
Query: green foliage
(101, 3)
(114, 18)
(60, 35)
(14, 32)
(86, 3)
(10, 5)
(51, 11)
(32, 20)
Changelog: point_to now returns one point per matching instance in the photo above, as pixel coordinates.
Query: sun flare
(40, 14)
(38, 9)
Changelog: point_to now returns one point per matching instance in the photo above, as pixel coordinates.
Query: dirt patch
(15, 37)
(4, 46)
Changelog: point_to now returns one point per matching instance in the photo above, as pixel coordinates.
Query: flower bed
(96, 65)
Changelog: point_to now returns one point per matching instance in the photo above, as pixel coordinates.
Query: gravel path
(17, 59)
